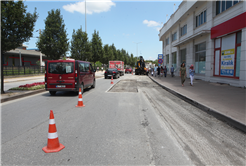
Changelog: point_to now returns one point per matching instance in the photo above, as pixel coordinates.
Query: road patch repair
(126, 85)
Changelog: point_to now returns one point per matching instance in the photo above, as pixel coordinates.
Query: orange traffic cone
(112, 80)
(80, 101)
(53, 144)
(132, 73)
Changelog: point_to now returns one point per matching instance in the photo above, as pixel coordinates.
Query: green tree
(17, 26)
(114, 51)
(108, 54)
(80, 45)
(96, 47)
(53, 41)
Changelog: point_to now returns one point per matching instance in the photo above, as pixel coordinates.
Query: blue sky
(118, 22)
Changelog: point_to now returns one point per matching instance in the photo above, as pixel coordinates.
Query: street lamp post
(85, 17)
(137, 46)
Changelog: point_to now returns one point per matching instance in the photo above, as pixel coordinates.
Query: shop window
(200, 58)
(184, 30)
(183, 56)
(222, 5)
(201, 18)
(167, 59)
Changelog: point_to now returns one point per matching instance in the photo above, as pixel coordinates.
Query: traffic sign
(160, 56)
(160, 61)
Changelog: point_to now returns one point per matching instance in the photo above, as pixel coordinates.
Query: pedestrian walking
(182, 73)
(172, 70)
(162, 71)
(158, 71)
(165, 71)
(155, 71)
(192, 72)
(152, 72)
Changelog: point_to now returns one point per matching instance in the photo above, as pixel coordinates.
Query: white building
(211, 35)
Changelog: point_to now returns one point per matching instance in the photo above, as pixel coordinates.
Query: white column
(242, 76)
(20, 57)
(177, 61)
(41, 59)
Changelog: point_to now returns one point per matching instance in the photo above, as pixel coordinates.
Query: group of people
(160, 71)
(182, 73)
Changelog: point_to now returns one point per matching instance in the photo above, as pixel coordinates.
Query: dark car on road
(128, 70)
(111, 72)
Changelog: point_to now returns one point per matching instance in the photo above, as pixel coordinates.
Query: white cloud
(92, 6)
(151, 23)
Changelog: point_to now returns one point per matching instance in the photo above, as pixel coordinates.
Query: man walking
(172, 70)
(155, 71)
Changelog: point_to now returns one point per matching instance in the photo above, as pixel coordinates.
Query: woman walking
(182, 73)
(165, 71)
(192, 72)
(162, 70)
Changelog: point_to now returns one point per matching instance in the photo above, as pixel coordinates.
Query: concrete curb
(22, 95)
(232, 122)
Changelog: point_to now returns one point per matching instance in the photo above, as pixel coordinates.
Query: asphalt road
(132, 122)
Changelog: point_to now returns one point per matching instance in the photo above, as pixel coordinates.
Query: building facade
(211, 35)
(23, 57)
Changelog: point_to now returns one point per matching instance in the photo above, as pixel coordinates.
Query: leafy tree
(96, 47)
(114, 51)
(53, 40)
(80, 46)
(17, 26)
(108, 54)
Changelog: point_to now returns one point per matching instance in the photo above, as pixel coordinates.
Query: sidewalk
(221, 100)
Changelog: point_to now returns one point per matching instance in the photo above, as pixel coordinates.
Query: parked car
(128, 70)
(68, 75)
(111, 72)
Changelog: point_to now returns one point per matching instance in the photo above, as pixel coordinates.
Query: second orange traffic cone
(53, 144)
(80, 100)
(112, 80)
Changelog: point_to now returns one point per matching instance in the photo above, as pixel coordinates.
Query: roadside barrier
(80, 100)
(53, 144)
(112, 80)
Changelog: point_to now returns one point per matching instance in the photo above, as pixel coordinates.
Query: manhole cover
(125, 86)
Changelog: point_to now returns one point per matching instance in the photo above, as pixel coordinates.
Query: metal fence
(22, 70)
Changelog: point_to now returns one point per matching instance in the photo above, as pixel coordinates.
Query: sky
(131, 25)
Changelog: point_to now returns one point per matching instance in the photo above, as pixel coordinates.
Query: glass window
(218, 7)
(200, 58)
(217, 43)
(87, 67)
(167, 41)
(228, 4)
(197, 21)
(61, 67)
(235, 2)
(223, 6)
(202, 18)
(167, 58)
(205, 17)
(81, 67)
(174, 36)
(239, 37)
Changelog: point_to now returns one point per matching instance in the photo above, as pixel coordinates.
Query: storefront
(227, 47)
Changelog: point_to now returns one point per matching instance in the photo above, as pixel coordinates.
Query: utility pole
(137, 46)
(85, 17)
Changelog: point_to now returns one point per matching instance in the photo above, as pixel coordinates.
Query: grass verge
(30, 88)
